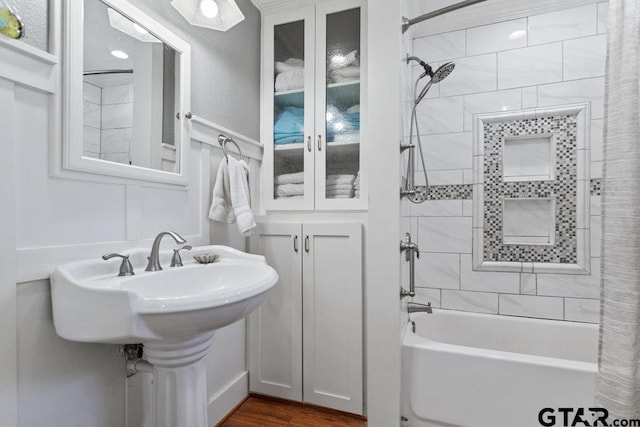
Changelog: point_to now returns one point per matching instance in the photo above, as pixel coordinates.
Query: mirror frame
(72, 87)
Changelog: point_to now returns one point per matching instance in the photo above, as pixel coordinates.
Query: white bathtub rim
(415, 341)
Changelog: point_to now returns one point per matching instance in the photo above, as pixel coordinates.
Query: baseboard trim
(228, 399)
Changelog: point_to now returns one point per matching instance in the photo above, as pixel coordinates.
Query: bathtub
(479, 370)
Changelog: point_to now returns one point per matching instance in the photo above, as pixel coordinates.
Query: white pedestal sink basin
(173, 312)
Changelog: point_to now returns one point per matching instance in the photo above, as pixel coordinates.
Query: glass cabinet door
(289, 111)
(342, 105)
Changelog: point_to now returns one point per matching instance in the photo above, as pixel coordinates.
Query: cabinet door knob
(295, 243)
(309, 143)
(319, 142)
(306, 243)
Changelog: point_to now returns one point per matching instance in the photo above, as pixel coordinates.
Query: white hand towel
(240, 196)
(335, 187)
(289, 64)
(340, 179)
(285, 190)
(290, 80)
(221, 209)
(290, 178)
(332, 193)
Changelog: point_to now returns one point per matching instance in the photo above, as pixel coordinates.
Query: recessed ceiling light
(139, 29)
(119, 54)
(517, 35)
(209, 8)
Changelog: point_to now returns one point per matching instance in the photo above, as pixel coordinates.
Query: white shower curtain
(618, 387)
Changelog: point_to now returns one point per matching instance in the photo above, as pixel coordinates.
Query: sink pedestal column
(179, 381)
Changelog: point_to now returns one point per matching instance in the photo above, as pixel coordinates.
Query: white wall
(381, 298)
(560, 60)
(47, 221)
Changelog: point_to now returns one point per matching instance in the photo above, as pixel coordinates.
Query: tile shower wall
(542, 60)
(108, 122)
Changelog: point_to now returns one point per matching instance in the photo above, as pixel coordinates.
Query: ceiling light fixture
(120, 54)
(209, 8)
(214, 14)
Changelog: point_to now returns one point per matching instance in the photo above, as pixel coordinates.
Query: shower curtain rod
(116, 71)
(406, 23)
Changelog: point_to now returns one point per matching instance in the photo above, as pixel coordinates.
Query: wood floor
(267, 412)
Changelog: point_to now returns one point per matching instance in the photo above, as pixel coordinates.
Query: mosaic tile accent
(444, 192)
(596, 187)
(563, 189)
(465, 191)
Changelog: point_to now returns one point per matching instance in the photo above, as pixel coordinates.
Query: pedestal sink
(173, 312)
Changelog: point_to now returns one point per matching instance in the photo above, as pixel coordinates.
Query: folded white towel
(340, 179)
(341, 196)
(221, 209)
(290, 80)
(346, 137)
(338, 61)
(334, 193)
(353, 109)
(290, 178)
(240, 196)
(284, 190)
(351, 72)
(289, 64)
(335, 187)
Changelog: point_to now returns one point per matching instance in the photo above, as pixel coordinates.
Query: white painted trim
(8, 304)
(207, 132)
(71, 143)
(583, 143)
(223, 402)
(268, 7)
(27, 65)
(490, 12)
(27, 50)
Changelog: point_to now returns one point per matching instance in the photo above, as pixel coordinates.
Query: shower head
(436, 77)
(442, 72)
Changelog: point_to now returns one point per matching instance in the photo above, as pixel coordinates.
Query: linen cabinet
(313, 115)
(305, 340)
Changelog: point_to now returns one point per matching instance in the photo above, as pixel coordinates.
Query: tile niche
(531, 187)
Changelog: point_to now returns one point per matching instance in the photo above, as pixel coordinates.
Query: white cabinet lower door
(275, 328)
(305, 340)
(332, 316)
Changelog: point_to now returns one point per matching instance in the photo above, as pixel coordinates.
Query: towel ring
(223, 141)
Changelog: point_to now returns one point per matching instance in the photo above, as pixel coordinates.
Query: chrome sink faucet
(154, 259)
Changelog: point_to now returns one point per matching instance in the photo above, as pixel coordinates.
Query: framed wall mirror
(126, 92)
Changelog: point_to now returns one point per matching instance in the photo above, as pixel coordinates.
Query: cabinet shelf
(331, 147)
(344, 94)
(289, 147)
(290, 98)
(344, 84)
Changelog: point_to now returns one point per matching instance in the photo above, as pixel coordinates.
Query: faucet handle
(176, 260)
(126, 269)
